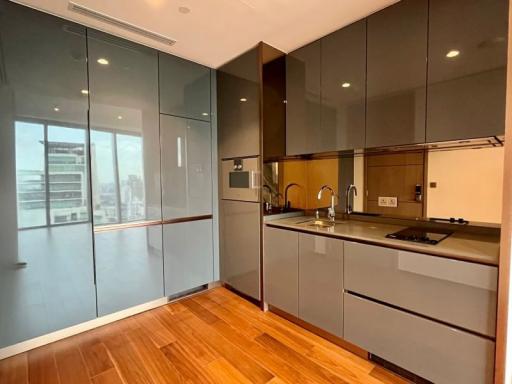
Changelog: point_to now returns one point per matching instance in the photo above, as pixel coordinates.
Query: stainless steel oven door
(241, 179)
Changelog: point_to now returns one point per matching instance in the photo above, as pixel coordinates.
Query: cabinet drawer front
(453, 291)
(280, 263)
(321, 282)
(431, 350)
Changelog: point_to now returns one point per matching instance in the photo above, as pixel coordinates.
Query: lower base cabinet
(129, 268)
(281, 269)
(188, 255)
(321, 282)
(434, 351)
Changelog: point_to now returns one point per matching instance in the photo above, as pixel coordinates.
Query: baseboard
(27, 345)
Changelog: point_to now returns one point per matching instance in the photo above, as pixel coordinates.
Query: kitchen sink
(321, 224)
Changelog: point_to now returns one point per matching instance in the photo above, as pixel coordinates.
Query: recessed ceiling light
(345, 85)
(84, 92)
(102, 61)
(184, 10)
(243, 99)
(453, 53)
(204, 114)
(119, 117)
(56, 109)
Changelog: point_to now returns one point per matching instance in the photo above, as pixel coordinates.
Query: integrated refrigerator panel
(46, 262)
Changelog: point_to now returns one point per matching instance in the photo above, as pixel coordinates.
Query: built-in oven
(240, 179)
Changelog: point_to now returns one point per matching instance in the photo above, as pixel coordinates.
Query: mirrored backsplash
(424, 184)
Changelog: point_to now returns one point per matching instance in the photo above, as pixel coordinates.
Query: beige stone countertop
(473, 247)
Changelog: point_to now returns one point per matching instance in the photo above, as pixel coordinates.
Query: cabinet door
(240, 246)
(184, 87)
(238, 101)
(321, 282)
(343, 88)
(280, 261)
(125, 140)
(396, 74)
(303, 100)
(466, 69)
(46, 261)
(129, 267)
(434, 351)
(188, 255)
(186, 167)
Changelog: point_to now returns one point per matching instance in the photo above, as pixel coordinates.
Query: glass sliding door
(125, 172)
(46, 261)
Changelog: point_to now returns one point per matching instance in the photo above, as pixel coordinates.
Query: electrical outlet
(384, 201)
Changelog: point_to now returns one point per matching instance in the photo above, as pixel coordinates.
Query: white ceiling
(215, 31)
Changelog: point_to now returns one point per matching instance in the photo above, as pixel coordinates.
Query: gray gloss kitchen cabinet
(187, 167)
(303, 104)
(396, 74)
(125, 171)
(238, 100)
(452, 291)
(321, 282)
(129, 267)
(184, 87)
(239, 226)
(46, 270)
(188, 255)
(280, 266)
(466, 69)
(434, 351)
(343, 86)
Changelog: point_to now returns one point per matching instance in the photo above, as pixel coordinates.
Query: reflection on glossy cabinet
(184, 87)
(129, 267)
(303, 106)
(186, 167)
(467, 69)
(238, 100)
(46, 271)
(240, 246)
(343, 84)
(321, 282)
(188, 255)
(396, 74)
(280, 263)
(125, 148)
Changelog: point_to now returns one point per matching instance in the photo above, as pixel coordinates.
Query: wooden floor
(214, 337)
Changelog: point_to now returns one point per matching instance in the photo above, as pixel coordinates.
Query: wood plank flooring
(213, 337)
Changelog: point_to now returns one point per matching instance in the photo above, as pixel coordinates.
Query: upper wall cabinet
(396, 74)
(467, 69)
(343, 84)
(125, 146)
(238, 99)
(184, 88)
(303, 107)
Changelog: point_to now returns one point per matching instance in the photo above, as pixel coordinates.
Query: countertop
(479, 248)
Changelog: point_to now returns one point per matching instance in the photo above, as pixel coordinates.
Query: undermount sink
(321, 224)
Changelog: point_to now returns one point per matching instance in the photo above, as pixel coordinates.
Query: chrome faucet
(348, 207)
(268, 204)
(286, 202)
(331, 214)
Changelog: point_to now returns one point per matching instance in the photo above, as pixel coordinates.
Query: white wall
(469, 184)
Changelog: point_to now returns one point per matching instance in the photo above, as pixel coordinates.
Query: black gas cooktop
(421, 235)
